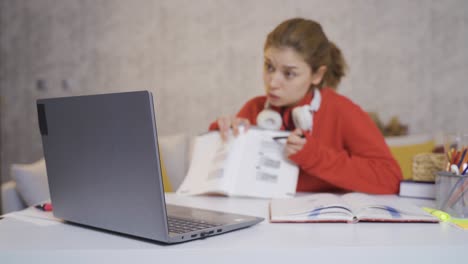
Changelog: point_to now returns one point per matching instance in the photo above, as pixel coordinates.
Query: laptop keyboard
(180, 225)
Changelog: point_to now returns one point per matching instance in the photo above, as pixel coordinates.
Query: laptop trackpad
(214, 217)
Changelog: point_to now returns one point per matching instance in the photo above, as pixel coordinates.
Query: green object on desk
(443, 216)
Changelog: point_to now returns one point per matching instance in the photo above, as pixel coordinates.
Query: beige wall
(203, 58)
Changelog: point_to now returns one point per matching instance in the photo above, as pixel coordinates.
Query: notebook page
(210, 160)
(321, 206)
(262, 168)
(384, 207)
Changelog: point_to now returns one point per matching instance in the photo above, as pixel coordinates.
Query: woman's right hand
(227, 122)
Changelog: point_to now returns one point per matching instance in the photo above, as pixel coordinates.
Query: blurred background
(202, 59)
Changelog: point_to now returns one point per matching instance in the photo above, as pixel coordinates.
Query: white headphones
(303, 116)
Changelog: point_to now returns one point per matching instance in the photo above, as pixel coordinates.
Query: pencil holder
(452, 193)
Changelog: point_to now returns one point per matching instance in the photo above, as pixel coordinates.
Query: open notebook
(350, 207)
(252, 164)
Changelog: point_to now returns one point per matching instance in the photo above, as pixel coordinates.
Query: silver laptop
(104, 170)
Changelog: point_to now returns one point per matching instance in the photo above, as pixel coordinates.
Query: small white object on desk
(415, 189)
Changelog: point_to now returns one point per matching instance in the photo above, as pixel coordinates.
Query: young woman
(333, 141)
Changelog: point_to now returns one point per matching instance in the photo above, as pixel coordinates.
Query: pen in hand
(285, 137)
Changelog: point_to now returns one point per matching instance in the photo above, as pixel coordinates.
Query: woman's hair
(307, 38)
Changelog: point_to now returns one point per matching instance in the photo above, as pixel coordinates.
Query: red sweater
(344, 152)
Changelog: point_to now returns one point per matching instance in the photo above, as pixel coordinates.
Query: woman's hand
(295, 143)
(227, 122)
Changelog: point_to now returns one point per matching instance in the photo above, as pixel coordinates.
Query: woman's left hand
(295, 143)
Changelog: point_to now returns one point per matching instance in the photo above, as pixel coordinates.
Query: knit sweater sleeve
(364, 165)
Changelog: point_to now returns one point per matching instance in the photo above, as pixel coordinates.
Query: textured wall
(203, 58)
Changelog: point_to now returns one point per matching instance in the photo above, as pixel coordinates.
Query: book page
(263, 170)
(320, 207)
(385, 208)
(210, 160)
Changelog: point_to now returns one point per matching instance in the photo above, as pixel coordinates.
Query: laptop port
(219, 230)
(194, 235)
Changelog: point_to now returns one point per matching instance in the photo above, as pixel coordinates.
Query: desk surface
(22, 241)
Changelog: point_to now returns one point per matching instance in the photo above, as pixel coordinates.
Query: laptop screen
(103, 163)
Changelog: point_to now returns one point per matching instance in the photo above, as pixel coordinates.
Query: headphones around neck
(302, 116)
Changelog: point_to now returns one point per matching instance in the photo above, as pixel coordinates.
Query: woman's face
(287, 76)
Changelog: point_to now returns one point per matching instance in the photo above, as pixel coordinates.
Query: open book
(251, 164)
(350, 207)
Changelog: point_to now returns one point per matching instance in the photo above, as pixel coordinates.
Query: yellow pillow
(166, 183)
(403, 149)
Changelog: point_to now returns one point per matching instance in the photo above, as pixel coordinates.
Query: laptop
(104, 170)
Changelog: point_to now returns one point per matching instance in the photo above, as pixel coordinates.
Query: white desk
(263, 243)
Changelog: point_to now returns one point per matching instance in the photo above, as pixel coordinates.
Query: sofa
(28, 182)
